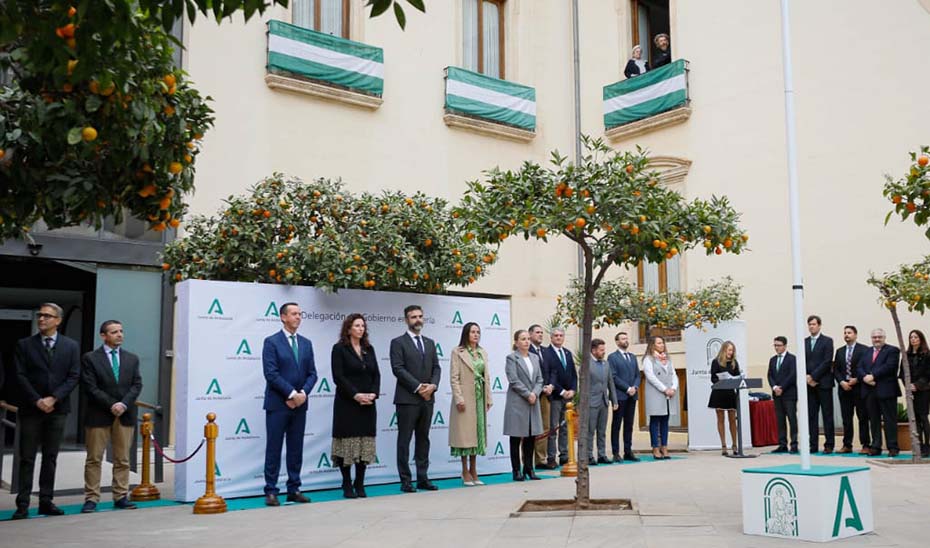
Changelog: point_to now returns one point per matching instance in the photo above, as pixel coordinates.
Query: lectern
(738, 384)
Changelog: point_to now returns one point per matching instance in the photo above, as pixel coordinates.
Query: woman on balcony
(661, 394)
(636, 65)
(471, 400)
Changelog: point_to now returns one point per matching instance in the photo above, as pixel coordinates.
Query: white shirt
(53, 337)
(529, 365)
(109, 352)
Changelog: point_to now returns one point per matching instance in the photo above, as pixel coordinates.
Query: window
(329, 16)
(648, 18)
(483, 34)
(660, 278)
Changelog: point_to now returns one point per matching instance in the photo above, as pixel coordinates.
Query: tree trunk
(582, 483)
(909, 396)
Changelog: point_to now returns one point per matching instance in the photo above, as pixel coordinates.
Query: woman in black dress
(724, 400)
(355, 419)
(636, 65)
(918, 357)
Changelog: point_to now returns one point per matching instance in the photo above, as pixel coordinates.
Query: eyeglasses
(44, 316)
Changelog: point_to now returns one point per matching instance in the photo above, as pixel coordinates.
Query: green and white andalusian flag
(646, 95)
(318, 56)
(490, 98)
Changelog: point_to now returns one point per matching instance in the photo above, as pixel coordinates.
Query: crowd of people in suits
(867, 381)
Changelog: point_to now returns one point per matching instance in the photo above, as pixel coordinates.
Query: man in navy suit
(290, 373)
(564, 382)
(878, 374)
(846, 372)
(626, 377)
(48, 368)
(818, 351)
(541, 447)
(783, 380)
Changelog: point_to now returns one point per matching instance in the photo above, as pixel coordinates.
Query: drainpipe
(576, 71)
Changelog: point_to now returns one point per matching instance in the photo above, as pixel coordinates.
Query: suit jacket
(920, 370)
(786, 377)
(601, 385)
(353, 375)
(662, 58)
(820, 360)
(40, 375)
(885, 370)
(103, 389)
(412, 368)
(632, 69)
(625, 373)
(561, 378)
(546, 366)
(839, 362)
(284, 374)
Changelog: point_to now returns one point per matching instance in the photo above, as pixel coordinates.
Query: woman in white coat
(661, 394)
(522, 418)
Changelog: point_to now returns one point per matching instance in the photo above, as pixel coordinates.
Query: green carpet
(856, 455)
(71, 509)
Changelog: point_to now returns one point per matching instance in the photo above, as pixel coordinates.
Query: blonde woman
(724, 401)
(661, 394)
(522, 418)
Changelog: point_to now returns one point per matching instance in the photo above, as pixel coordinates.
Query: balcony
(314, 63)
(644, 103)
(490, 106)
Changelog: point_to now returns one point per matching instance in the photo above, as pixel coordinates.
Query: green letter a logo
(216, 469)
(496, 385)
(438, 418)
(324, 386)
(495, 320)
(457, 318)
(214, 388)
(393, 420)
(243, 427)
(846, 493)
(499, 449)
(215, 307)
(439, 353)
(272, 310)
(244, 348)
(324, 461)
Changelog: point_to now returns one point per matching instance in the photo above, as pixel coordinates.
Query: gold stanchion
(210, 502)
(570, 468)
(146, 490)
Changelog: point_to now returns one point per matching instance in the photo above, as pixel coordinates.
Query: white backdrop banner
(220, 330)
(701, 347)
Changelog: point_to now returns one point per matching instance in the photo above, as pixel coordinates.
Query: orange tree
(909, 285)
(613, 207)
(618, 301)
(320, 234)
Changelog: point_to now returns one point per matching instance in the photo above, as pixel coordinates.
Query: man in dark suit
(290, 373)
(564, 382)
(782, 378)
(48, 368)
(416, 365)
(111, 381)
(542, 444)
(878, 374)
(846, 372)
(818, 351)
(626, 377)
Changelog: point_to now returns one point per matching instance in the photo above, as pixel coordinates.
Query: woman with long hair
(471, 400)
(522, 417)
(918, 356)
(355, 416)
(661, 394)
(724, 401)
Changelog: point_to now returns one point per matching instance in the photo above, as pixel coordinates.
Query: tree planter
(904, 436)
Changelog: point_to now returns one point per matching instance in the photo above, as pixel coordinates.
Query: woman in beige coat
(471, 400)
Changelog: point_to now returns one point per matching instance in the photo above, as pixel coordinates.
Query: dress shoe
(478, 482)
(517, 476)
(843, 450)
(780, 449)
(22, 512)
(360, 491)
(427, 486)
(827, 450)
(592, 462)
(631, 457)
(124, 504)
(793, 451)
(893, 453)
(49, 509)
(875, 452)
(925, 450)
(617, 458)
(89, 507)
(348, 492)
(297, 497)
(563, 462)
(551, 465)
(603, 460)
(408, 487)
(531, 475)
(865, 451)
(272, 500)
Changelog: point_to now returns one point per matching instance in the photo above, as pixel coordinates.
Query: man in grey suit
(416, 365)
(603, 400)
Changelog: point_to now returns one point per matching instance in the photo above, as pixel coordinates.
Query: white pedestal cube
(820, 504)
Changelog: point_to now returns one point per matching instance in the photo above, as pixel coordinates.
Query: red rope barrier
(169, 459)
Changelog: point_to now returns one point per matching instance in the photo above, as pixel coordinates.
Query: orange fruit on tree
(911, 206)
(164, 203)
(642, 218)
(707, 229)
(72, 11)
(159, 227)
(663, 245)
(68, 30)
(89, 134)
(165, 266)
(580, 222)
(471, 279)
(540, 232)
(428, 242)
(718, 251)
(896, 199)
(629, 168)
(478, 269)
(635, 230)
(169, 80)
(175, 167)
(71, 64)
(177, 276)
(469, 236)
(266, 214)
(745, 237)
(656, 243)
(728, 243)
(568, 192)
(590, 209)
(174, 223)
(426, 275)
(923, 161)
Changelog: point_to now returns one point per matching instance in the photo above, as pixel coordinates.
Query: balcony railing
(490, 99)
(649, 95)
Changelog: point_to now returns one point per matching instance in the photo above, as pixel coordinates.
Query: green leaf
(418, 4)
(379, 6)
(401, 16)
(93, 103)
(74, 136)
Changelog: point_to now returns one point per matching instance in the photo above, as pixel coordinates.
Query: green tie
(562, 359)
(813, 342)
(294, 347)
(778, 363)
(115, 363)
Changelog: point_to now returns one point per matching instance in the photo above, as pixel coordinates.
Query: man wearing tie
(818, 349)
(542, 444)
(846, 372)
(290, 373)
(111, 381)
(782, 379)
(48, 368)
(626, 377)
(878, 374)
(564, 382)
(416, 365)
(603, 400)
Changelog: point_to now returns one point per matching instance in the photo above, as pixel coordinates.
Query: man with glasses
(782, 379)
(48, 368)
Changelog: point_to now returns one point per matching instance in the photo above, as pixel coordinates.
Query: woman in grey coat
(522, 419)
(661, 394)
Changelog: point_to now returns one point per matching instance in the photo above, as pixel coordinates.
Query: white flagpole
(795, 219)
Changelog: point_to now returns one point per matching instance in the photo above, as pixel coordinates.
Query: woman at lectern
(723, 402)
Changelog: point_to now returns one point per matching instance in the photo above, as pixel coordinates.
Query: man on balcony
(664, 56)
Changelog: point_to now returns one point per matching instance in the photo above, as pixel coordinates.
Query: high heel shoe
(665, 453)
(656, 454)
(723, 452)
(517, 476)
